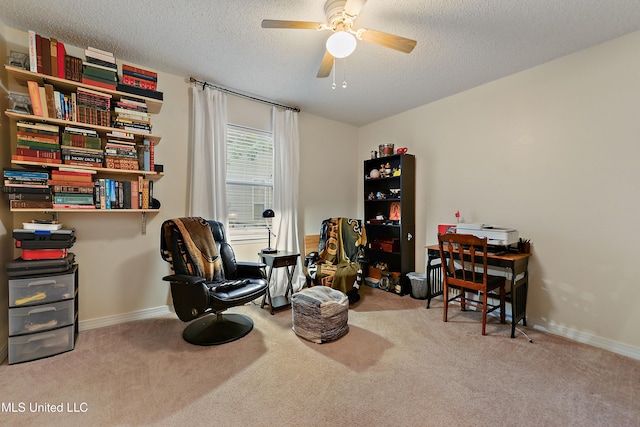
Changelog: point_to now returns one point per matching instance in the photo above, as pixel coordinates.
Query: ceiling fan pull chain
(344, 73)
(333, 74)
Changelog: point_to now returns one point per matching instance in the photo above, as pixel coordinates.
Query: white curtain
(286, 167)
(208, 194)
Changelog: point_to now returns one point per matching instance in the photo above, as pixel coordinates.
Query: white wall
(552, 151)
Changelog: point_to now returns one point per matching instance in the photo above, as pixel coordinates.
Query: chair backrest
(341, 239)
(197, 247)
(470, 254)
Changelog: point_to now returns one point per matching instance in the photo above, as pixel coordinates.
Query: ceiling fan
(341, 15)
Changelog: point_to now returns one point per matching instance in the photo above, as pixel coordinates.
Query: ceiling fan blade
(353, 7)
(297, 25)
(326, 66)
(388, 40)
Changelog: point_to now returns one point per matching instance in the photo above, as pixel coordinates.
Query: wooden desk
(279, 259)
(517, 264)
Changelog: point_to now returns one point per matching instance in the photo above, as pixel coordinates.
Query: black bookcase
(389, 214)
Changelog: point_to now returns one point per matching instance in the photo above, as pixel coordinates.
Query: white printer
(496, 235)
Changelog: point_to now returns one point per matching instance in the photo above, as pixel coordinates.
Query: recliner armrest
(251, 269)
(184, 278)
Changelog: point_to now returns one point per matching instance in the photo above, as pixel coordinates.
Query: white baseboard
(585, 338)
(101, 322)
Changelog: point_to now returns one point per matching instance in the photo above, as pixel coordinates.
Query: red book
(61, 181)
(139, 71)
(39, 154)
(61, 54)
(19, 158)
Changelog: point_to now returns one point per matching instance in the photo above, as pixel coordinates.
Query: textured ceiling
(461, 44)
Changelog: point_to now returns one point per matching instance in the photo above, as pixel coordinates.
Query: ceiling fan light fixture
(341, 44)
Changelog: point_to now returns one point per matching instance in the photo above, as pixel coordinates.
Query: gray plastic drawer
(38, 318)
(38, 290)
(35, 346)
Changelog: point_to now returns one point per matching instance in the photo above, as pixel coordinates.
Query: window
(249, 181)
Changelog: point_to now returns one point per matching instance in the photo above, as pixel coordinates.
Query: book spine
(30, 204)
(24, 174)
(134, 194)
(73, 189)
(38, 154)
(68, 198)
(145, 193)
(139, 75)
(151, 156)
(113, 194)
(38, 126)
(96, 194)
(51, 103)
(33, 55)
(29, 196)
(103, 192)
(127, 67)
(34, 94)
(62, 52)
(19, 158)
(97, 83)
(43, 101)
(39, 53)
(54, 57)
(97, 55)
(46, 56)
(138, 82)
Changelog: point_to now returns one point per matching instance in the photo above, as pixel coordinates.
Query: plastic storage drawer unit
(38, 318)
(24, 348)
(39, 290)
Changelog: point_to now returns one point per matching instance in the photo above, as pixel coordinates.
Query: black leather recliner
(197, 248)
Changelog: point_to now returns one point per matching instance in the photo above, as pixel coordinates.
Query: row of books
(44, 143)
(74, 188)
(47, 55)
(27, 188)
(84, 105)
(100, 69)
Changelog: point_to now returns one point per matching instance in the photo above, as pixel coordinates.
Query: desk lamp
(269, 213)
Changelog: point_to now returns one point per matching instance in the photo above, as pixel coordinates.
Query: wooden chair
(464, 268)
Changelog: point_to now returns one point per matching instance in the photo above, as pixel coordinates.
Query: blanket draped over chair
(198, 251)
(342, 241)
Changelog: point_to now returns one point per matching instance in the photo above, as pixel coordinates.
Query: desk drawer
(39, 290)
(36, 346)
(38, 318)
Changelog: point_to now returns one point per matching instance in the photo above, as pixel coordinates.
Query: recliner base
(217, 329)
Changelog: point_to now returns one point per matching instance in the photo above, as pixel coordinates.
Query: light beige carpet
(398, 365)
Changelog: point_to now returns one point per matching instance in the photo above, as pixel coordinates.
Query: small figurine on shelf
(371, 196)
(395, 193)
(380, 195)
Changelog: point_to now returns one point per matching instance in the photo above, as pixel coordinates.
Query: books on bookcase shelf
(86, 120)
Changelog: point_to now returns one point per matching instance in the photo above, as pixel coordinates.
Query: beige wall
(120, 268)
(552, 151)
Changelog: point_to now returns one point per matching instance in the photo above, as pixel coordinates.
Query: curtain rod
(243, 95)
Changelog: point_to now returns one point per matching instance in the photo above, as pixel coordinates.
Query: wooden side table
(279, 259)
